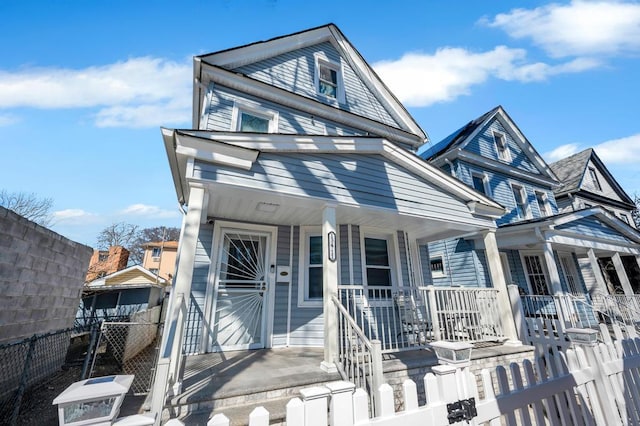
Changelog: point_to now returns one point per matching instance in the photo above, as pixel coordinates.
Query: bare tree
(117, 234)
(148, 235)
(28, 205)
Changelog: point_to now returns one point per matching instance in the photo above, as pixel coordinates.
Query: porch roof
(592, 228)
(235, 167)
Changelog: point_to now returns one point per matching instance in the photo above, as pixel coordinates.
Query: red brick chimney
(107, 262)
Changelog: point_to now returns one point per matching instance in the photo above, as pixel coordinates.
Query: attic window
(543, 203)
(594, 178)
(253, 118)
(501, 146)
(329, 80)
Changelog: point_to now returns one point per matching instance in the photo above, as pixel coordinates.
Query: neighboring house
(105, 262)
(305, 199)
(118, 295)
(586, 182)
(543, 250)
(160, 258)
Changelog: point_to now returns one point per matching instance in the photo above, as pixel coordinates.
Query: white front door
(241, 290)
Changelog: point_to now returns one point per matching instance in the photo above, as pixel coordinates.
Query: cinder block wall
(41, 278)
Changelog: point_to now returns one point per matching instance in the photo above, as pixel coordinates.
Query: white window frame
(485, 182)
(306, 232)
(569, 271)
(502, 146)
(392, 252)
(340, 94)
(256, 110)
(543, 264)
(546, 206)
(525, 198)
(435, 256)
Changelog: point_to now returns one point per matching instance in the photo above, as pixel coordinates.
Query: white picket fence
(590, 385)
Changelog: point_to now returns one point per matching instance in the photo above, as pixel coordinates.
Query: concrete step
(239, 414)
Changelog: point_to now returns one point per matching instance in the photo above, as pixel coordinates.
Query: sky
(86, 85)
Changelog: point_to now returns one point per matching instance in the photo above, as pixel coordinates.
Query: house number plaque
(332, 246)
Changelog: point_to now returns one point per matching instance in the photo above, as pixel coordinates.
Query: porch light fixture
(267, 207)
(582, 336)
(456, 354)
(92, 401)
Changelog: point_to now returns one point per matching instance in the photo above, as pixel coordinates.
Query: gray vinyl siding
(307, 323)
(462, 265)
(295, 72)
(426, 265)
(357, 255)
(501, 192)
(483, 144)
(592, 227)
(219, 114)
(344, 178)
(404, 262)
(281, 294)
(588, 276)
(196, 314)
(344, 255)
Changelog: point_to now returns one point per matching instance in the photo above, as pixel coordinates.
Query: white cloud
(580, 28)
(420, 79)
(561, 152)
(8, 120)
(75, 216)
(123, 91)
(620, 151)
(148, 211)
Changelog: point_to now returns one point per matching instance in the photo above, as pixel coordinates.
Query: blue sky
(85, 86)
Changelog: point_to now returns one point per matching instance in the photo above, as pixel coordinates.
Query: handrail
(619, 300)
(359, 359)
(170, 359)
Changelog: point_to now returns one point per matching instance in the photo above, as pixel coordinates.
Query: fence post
(378, 374)
(23, 380)
(433, 310)
(315, 406)
(341, 405)
(517, 309)
(90, 351)
(603, 387)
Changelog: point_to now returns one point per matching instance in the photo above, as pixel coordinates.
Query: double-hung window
(156, 251)
(501, 146)
(252, 118)
(310, 288)
(520, 197)
(543, 203)
(480, 183)
(436, 264)
(328, 80)
(378, 265)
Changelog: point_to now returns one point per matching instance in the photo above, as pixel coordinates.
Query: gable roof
(464, 135)
(571, 170)
(149, 279)
(227, 60)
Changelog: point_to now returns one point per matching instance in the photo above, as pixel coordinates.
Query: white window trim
(436, 255)
(543, 263)
(523, 193)
(506, 270)
(485, 181)
(545, 202)
(253, 109)
(497, 136)
(392, 248)
(303, 268)
(340, 94)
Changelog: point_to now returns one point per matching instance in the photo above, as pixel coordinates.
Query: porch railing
(410, 318)
(569, 309)
(359, 359)
(623, 307)
(171, 357)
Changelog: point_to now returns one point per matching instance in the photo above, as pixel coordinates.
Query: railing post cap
(315, 392)
(340, 386)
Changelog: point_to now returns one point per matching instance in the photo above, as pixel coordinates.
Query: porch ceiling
(258, 206)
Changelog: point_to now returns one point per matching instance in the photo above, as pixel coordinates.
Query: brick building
(105, 262)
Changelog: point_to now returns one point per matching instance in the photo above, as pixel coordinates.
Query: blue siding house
(306, 203)
(547, 247)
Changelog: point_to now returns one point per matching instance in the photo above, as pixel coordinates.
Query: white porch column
(497, 278)
(552, 269)
(196, 214)
(329, 286)
(597, 272)
(622, 274)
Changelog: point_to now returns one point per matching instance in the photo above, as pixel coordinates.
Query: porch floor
(241, 380)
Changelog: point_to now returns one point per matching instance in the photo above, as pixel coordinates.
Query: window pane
(376, 252)
(315, 283)
(437, 266)
(315, 250)
(251, 123)
(542, 205)
(378, 277)
(327, 89)
(478, 184)
(329, 75)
